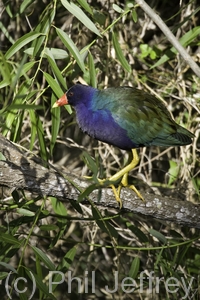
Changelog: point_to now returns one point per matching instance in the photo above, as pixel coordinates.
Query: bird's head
(78, 93)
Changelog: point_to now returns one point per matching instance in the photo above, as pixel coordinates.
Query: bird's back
(144, 118)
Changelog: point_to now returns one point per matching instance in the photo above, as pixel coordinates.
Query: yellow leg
(124, 182)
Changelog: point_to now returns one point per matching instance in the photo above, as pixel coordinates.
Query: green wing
(144, 117)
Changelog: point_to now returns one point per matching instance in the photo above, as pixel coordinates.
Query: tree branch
(19, 172)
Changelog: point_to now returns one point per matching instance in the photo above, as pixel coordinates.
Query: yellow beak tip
(55, 105)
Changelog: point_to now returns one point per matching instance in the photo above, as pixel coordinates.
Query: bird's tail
(183, 136)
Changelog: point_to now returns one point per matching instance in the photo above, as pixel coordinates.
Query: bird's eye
(71, 94)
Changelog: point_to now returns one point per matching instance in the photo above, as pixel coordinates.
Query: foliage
(45, 47)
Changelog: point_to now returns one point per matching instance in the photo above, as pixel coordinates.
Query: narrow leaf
(173, 171)
(134, 269)
(27, 67)
(69, 44)
(24, 106)
(158, 235)
(86, 192)
(70, 255)
(92, 70)
(9, 239)
(40, 132)
(39, 283)
(56, 71)
(53, 84)
(49, 227)
(44, 258)
(117, 8)
(85, 5)
(8, 266)
(90, 163)
(2, 157)
(33, 128)
(134, 16)
(80, 15)
(56, 53)
(58, 207)
(24, 5)
(21, 42)
(55, 119)
(25, 212)
(120, 54)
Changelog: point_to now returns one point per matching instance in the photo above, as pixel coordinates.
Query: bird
(125, 117)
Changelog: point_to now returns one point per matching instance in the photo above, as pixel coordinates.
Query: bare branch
(19, 172)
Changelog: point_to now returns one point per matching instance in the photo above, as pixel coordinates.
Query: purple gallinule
(127, 118)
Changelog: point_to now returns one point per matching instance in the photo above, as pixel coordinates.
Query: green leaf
(85, 5)
(55, 119)
(64, 266)
(2, 157)
(91, 163)
(39, 283)
(92, 70)
(4, 83)
(173, 171)
(24, 106)
(58, 207)
(80, 15)
(87, 192)
(134, 16)
(24, 5)
(26, 67)
(8, 266)
(189, 36)
(9, 239)
(69, 256)
(145, 50)
(135, 266)
(56, 53)
(55, 70)
(21, 42)
(120, 54)
(117, 8)
(49, 227)
(158, 235)
(44, 258)
(99, 17)
(53, 84)
(12, 115)
(25, 212)
(39, 268)
(69, 44)
(40, 132)
(6, 69)
(33, 128)
(8, 10)
(6, 32)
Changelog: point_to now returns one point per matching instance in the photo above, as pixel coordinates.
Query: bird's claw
(117, 194)
(117, 191)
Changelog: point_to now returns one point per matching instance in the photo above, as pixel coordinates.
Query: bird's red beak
(60, 102)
